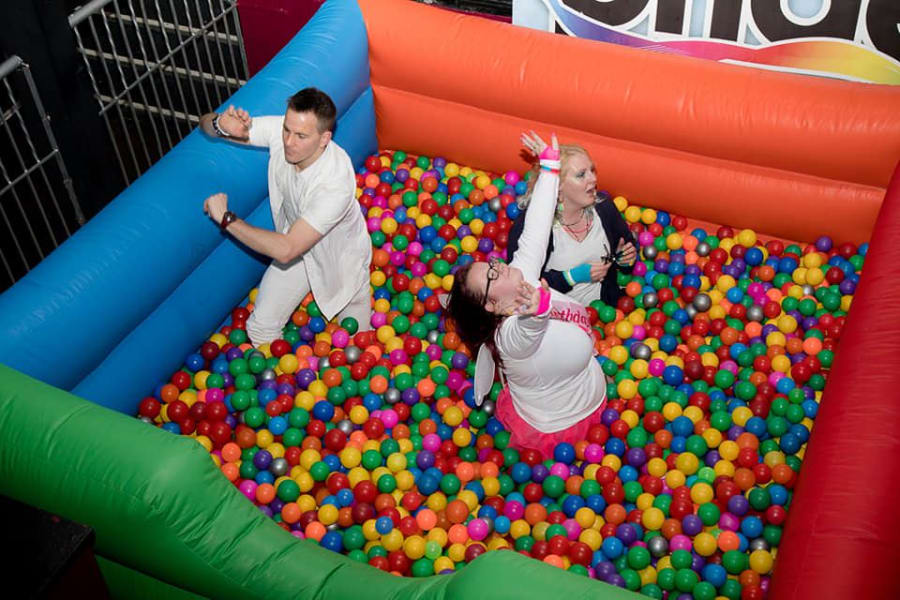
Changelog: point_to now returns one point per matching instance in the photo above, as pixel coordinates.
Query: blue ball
(384, 525)
(194, 362)
(333, 541)
(323, 410)
(612, 547)
(564, 453)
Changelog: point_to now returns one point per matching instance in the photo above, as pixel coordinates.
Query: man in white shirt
(320, 243)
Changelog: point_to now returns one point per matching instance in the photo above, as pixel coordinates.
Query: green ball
(420, 411)
(704, 591)
(609, 367)
(237, 337)
(709, 513)
(388, 447)
(254, 417)
(651, 590)
(731, 589)
(632, 579)
(681, 559)
(633, 489)
(422, 568)
(686, 579)
(292, 437)
(248, 470)
(372, 459)
(358, 556)
(638, 557)
(759, 499)
(772, 534)
(724, 378)
(450, 484)
(288, 490)
(468, 454)
(526, 542)
(240, 400)
(245, 381)
(353, 538)
(554, 486)
(387, 483)
(319, 471)
(590, 487)
(578, 570)
(555, 530)
(637, 437)
(696, 445)
(735, 561)
(666, 579)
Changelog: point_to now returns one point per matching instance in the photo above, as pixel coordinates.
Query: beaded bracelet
(219, 131)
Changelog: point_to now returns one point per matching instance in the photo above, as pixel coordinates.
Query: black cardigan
(616, 229)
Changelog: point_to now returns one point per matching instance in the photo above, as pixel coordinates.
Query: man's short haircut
(317, 102)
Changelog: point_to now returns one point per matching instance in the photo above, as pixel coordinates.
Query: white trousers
(281, 290)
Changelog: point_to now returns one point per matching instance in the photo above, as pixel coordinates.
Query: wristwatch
(227, 219)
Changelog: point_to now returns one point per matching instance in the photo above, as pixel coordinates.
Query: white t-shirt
(548, 359)
(323, 195)
(569, 253)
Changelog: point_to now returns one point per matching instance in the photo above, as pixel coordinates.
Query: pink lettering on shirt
(572, 312)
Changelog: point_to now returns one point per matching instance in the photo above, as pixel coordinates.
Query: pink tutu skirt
(523, 435)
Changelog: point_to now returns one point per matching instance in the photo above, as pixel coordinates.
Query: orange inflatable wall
(790, 156)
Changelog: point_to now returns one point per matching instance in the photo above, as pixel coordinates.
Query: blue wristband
(579, 274)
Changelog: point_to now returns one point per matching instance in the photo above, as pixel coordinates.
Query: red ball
(149, 407)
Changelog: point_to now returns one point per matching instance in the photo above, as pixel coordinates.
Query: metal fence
(38, 208)
(155, 67)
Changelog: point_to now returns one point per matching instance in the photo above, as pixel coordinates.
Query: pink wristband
(544, 302)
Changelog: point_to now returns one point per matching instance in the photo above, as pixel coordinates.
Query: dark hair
(474, 324)
(317, 102)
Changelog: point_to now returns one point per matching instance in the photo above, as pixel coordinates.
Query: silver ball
(345, 426)
(279, 467)
(650, 299)
(808, 290)
(488, 407)
(691, 311)
(268, 375)
(333, 527)
(146, 420)
(256, 353)
(352, 353)
(392, 395)
(495, 204)
(755, 313)
(702, 302)
(324, 363)
(658, 546)
(650, 252)
(641, 351)
(490, 524)
(702, 249)
(758, 544)
(433, 336)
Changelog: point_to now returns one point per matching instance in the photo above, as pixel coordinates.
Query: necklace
(570, 227)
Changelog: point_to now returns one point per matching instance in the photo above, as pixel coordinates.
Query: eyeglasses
(492, 274)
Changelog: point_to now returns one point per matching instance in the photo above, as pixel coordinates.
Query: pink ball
(373, 224)
(560, 470)
(397, 258)
(248, 488)
(433, 351)
(639, 332)
(389, 418)
(215, 395)
(378, 319)
(645, 239)
(656, 367)
(431, 442)
(478, 529)
(513, 510)
(340, 338)
(729, 522)
(380, 202)
(419, 269)
(775, 377)
(414, 249)
(511, 178)
(313, 363)
(593, 453)
(573, 529)
(455, 380)
(640, 269)
(398, 356)
(680, 542)
(729, 365)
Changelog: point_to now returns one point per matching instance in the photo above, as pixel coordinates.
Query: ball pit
(371, 445)
(695, 155)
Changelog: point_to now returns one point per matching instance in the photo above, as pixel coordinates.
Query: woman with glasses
(590, 241)
(541, 339)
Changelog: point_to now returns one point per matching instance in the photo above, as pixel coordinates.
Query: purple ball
(738, 505)
(609, 416)
(734, 431)
(616, 580)
(847, 287)
(231, 421)
(604, 570)
(697, 562)
(262, 459)
(233, 353)
(228, 379)
(626, 533)
(266, 510)
(425, 459)
(459, 360)
(636, 457)
(485, 245)
(712, 457)
(276, 505)
(410, 396)
(691, 525)
(463, 231)
(267, 385)
(307, 334)
(824, 244)
(539, 473)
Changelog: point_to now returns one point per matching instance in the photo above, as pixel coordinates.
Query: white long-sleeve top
(548, 359)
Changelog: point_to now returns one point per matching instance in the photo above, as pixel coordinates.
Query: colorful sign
(857, 40)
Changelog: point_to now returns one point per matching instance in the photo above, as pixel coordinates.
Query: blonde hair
(566, 151)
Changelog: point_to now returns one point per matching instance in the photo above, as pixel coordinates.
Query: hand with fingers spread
(626, 253)
(528, 299)
(235, 122)
(538, 147)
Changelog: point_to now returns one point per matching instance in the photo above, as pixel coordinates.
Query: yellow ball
(438, 535)
(328, 514)
(491, 486)
(462, 437)
(815, 276)
(675, 479)
(453, 416)
(705, 544)
(725, 283)
(396, 462)
(694, 413)
(639, 368)
(618, 354)
(437, 501)
(456, 552)
(318, 389)
(630, 417)
(712, 437)
(724, 468)
(674, 241)
(585, 516)
(761, 561)
(592, 538)
(392, 541)
(627, 389)
(264, 438)
(443, 563)
(469, 243)
(729, 449)
(305, 482)
(385, 333)
(746, 238)
(741, 415)
(648, 216)
(624, 329)
(359, 414)
(632, 214)
(652, 518)
(701, 493)
(304, 400)
(671, 411)
(288, 363)
(657, 467)
(621, 203)
(787, 324)
(414, 547)
(612, 461)
(519, 528)
(687, 463)
(469, 497)
(369, 531)
(451, 169)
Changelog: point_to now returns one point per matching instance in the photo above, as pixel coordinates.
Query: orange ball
(728, 540)
(535, 513)
(457, 511)
(231, 452)
(615, 514)
(465, 471)
(315, 531)
(290, 512)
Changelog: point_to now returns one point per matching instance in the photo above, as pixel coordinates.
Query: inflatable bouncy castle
(114, 311)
